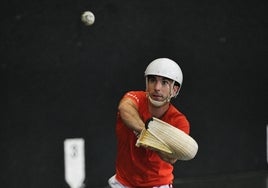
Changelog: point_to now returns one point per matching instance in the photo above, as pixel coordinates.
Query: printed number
(74, 151)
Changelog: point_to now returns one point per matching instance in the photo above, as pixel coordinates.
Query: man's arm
(166, 157)
(129, 114)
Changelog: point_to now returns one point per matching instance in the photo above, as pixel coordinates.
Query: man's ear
(175, 89)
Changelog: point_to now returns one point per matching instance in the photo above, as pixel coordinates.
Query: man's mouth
(157, 97)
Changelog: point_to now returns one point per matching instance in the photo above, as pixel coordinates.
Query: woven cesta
(161, 136)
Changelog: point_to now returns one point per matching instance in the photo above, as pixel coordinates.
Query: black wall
(63, 79)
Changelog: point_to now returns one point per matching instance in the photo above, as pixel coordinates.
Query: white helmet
(165, 67)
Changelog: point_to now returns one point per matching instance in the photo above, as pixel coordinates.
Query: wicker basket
(164, 137)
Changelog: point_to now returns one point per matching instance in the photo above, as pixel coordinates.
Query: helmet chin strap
(158, 103)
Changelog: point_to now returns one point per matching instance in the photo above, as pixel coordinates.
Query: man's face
(159, 87)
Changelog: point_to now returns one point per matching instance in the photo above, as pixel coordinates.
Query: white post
(74, 160)
(267, 143)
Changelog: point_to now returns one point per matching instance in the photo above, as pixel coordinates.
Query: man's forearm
(130, 116)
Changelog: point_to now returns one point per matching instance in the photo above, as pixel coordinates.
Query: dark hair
(175, 84)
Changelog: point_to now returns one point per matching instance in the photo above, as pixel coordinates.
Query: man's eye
(165, 82)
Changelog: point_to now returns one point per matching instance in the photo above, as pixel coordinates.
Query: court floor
(239, 180)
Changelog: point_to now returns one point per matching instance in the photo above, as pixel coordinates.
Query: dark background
(62, 79)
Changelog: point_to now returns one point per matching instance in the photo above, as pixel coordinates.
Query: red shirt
(137, 166)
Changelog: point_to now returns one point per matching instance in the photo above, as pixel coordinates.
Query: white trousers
(114, 183)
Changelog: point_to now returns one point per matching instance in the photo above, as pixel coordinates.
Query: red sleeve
(135, 96)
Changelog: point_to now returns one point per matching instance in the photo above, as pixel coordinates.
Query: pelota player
(140, 166)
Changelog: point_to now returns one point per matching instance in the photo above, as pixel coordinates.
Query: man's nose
(157, 85)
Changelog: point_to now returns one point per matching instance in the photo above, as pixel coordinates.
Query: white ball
(88, 18)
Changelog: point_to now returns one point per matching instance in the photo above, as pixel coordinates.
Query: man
(140, 166)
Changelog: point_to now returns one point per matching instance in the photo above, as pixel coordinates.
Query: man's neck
(158, 112)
